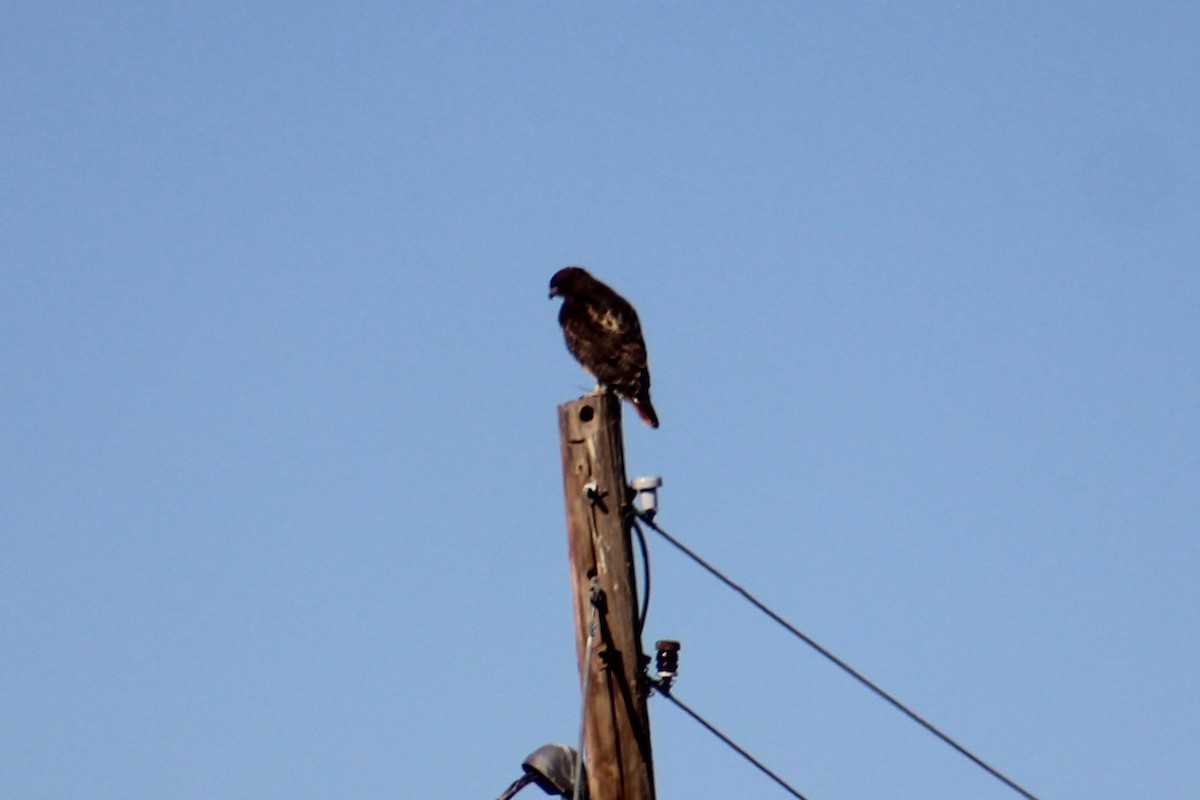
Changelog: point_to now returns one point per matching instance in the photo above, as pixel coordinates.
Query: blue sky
(280, 501)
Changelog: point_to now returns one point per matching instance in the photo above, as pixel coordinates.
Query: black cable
(741, 751)
(914, 716)
(641, 535)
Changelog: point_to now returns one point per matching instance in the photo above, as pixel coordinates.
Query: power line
(593, 598)
(808, 640)
(734, 745)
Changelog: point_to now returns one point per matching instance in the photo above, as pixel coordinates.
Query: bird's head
(569, 281)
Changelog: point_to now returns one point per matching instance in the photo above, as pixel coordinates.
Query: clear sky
(280, 504)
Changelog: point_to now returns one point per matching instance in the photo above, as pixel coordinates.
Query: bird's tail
(645, 410)
(640, 399)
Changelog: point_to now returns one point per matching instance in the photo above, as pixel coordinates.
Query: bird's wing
(615, 329)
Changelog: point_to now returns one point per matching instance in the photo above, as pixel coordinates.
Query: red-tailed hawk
(603, 333)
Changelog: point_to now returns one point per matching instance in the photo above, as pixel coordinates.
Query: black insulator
(667, 660)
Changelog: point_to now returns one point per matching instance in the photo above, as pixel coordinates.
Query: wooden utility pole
(616, 726)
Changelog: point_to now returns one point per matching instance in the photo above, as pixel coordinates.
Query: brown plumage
(602, 332)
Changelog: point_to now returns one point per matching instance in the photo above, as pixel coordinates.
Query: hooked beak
(553, 293)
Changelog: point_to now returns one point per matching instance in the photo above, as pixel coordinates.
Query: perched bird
(603, 333)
